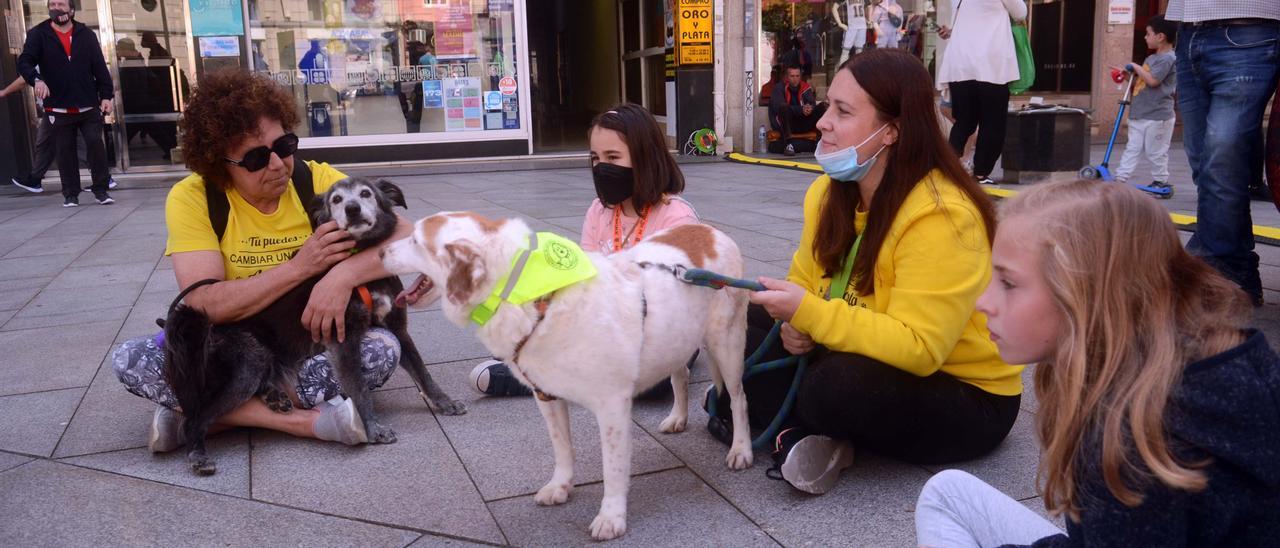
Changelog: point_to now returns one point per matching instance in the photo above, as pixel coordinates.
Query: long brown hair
(656, 172)
(1136, 308)
(901, 92)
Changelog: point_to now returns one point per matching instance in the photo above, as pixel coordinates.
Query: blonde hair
(1136, 308)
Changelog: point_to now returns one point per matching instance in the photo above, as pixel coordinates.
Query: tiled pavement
(74, 469)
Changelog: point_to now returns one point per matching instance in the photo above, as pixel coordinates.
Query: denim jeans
(1226, 74)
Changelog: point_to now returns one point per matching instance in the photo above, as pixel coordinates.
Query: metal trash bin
(1041, 141)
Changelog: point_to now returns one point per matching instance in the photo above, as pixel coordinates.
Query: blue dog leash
(753, 364)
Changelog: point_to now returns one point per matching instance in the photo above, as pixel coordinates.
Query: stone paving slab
(10, 460)
(872, 504)
(64, 357)
(417, 482)
(32, 423)
(110, 510)
(505, 444)
(39, 266)
(671, 508)
(230, 449)
(108, 419)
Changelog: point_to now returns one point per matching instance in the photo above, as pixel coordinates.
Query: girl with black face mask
(638, 186)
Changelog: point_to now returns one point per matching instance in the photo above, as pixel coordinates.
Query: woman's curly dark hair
(224, 110)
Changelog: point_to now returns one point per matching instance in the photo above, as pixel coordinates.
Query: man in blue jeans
(1228, 60)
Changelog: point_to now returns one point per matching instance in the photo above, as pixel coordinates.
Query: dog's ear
(320, 209)
(466, 271)
(392, 192)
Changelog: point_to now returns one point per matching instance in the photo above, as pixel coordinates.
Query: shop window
(377, 67)
(823, 43)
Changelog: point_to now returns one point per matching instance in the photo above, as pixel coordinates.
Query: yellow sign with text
(694, 39)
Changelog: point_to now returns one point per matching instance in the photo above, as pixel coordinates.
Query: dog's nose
(353, 210)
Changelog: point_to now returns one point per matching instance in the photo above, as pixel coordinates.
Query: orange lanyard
(638, 230)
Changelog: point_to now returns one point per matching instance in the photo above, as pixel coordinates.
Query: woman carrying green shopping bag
(899, 361)
(979, 63)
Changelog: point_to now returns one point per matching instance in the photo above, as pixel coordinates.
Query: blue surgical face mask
(842, 165)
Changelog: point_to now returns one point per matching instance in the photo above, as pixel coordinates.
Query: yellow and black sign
(695, 37)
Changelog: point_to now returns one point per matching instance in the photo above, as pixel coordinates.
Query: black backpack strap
(219, 207)
(304, 186)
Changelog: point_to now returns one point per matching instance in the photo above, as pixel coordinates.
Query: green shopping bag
(1026, 63)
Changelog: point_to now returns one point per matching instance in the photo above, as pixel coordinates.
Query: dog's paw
(674, 423)
(278, 401)
(739, 457)
(451, 407)
(553, 493)
(204, 467)
(608, 527)
(378, 433)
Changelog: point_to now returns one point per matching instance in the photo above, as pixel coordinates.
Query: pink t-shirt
(597, 227)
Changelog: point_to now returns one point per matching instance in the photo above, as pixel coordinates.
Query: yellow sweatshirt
(935, 262)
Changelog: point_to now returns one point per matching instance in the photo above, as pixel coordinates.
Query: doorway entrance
(574, 69)
(149, 41)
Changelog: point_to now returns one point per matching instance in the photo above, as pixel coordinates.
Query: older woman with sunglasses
(238, 218)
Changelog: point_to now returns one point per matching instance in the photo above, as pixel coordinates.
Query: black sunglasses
(258, 158)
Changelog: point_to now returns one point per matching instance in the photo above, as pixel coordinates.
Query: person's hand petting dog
(327, 306)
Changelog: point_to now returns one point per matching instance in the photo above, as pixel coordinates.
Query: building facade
(411, 80)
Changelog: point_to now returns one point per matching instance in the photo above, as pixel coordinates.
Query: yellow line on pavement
(1262, 234)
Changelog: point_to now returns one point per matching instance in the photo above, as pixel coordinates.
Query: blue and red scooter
(1103, 170)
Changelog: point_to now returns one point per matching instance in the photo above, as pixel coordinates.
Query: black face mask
(56, 15)
(614, 183)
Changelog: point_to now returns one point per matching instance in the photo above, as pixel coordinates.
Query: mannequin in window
(887, 16)
(855, 28)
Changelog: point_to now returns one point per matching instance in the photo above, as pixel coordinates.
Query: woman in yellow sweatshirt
(903, 364)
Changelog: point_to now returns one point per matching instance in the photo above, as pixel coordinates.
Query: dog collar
(365, 296)
(549, 263)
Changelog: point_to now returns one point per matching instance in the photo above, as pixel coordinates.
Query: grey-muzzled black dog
(215, 368)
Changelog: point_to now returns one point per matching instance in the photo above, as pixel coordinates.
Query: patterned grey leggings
(138, 364)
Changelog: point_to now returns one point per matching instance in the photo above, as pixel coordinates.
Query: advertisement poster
(432, 94)
(493, 100)
(454, 31)
(462, 108)
(220, 46)
(216, 18)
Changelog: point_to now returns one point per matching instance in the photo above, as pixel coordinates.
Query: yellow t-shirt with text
(253, 242)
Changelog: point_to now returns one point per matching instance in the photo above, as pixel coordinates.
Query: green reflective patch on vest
(549, 263)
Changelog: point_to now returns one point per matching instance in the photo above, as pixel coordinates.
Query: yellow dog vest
(548, 264)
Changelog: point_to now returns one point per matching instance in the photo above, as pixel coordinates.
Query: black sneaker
(36, 187)
(494, 378)
(984, 180)
(721, 425)
(70, 201)
(790, 150)
(103, 198)
(809, 462)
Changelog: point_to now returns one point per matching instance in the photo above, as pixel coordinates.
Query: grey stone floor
(74, 469)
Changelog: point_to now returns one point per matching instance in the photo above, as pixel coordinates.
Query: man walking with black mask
(76, 89)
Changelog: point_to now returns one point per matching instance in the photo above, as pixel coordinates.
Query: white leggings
(957, 510)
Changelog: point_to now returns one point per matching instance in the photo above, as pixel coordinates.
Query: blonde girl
(1159, 411)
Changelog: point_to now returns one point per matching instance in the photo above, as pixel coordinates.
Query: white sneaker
(166, 430)
(810, 462)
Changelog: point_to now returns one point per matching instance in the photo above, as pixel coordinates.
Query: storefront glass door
(151, 58)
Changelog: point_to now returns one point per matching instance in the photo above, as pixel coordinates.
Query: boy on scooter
(1151, 115)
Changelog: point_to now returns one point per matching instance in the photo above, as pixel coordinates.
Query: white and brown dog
(598, 342)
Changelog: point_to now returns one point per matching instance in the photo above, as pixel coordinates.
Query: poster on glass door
(463, 110)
